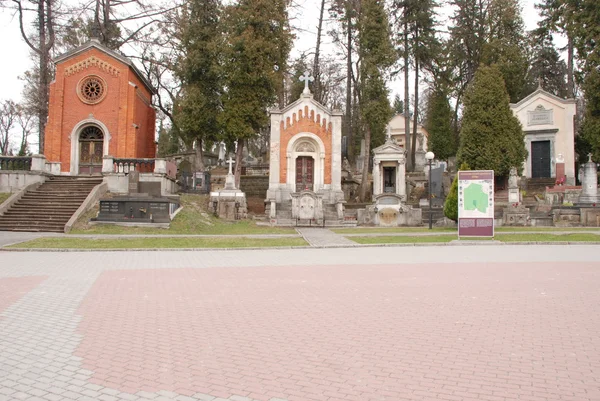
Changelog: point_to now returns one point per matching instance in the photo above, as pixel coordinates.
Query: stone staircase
(48, 207)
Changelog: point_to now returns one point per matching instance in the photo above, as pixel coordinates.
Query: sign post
(476, 203)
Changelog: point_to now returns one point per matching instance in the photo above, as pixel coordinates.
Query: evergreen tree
(491, 137)
(398, 106)
(506, 45)
(438, 123)
(377, 55)
(546, 68)
(587, 40)
(451, 202)
(168, 141)
(200, 75)
(256, 52)
(558, 16)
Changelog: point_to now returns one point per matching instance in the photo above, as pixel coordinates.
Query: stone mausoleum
(548, 124)
(100, 105)
(305, 170)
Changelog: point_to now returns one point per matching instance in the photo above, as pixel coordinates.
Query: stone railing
(15, 163)
(127, 165)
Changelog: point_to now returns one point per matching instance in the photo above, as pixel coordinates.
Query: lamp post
(429, 156)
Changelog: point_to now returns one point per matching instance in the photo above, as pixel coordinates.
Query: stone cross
(589, 158)
(388, 134)
(230, 162)
(306, 78)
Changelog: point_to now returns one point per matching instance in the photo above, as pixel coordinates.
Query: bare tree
(8, 120)
(41, 43)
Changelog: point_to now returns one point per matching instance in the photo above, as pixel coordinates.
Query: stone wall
(254, 186)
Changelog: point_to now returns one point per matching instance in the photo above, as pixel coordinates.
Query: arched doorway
(91, 142)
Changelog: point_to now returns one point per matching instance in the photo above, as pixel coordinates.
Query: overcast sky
(16, 52)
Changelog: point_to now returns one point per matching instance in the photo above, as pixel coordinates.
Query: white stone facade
(546, 117)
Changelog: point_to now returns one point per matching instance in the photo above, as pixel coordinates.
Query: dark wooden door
(540, 159)
(304, 173)
(90, 151)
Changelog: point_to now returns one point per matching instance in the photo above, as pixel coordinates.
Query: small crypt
(389, 189)
(100, 105)
(305, 170)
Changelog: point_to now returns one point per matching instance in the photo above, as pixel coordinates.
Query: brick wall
(118, 111)
(305, 121)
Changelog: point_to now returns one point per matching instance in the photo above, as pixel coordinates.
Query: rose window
(92, 89)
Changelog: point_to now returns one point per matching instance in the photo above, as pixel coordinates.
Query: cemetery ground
(452, 323)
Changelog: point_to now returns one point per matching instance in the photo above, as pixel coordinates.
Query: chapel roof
(95, 44)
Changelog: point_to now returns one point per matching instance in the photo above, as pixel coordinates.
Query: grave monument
(389, 189)
(230, 202)
(516, 214)
(142, 204)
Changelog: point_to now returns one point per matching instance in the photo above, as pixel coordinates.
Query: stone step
(33, 229)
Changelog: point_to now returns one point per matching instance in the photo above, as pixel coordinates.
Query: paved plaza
(392, 323)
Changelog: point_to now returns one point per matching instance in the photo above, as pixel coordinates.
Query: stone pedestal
(514, 196)
(589, 185)
(561, 178)
(229, 204)
(515, 216)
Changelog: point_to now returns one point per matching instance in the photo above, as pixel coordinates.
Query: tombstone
(229, 203)
(514, 196)
(134, 182)
(589, 184)
(360, 160)
(143, 204)
(516, 214)
(436, 187)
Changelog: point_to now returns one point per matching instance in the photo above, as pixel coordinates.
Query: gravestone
(134, 182)
(437, 187)
(589, 184)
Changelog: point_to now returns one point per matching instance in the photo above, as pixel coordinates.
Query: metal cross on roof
(306, 78)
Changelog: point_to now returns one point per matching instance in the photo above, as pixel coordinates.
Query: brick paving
(429, 323)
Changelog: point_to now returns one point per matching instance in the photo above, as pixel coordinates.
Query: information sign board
(476, 203)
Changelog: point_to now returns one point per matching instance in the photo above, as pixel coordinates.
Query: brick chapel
(100, 105)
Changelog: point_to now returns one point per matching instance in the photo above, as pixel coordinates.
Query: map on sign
(476, 199)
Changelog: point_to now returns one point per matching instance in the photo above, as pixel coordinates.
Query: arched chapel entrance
(91, 141)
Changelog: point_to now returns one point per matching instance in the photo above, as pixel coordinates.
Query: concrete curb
(470, 243)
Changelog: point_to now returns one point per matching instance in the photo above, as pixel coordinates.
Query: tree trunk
(238, 162)
(199, 159)
(349, 144)
(413, 145)
(409, 161)
(43, 67)
(316, 68)
(570, 73)
(364, 184)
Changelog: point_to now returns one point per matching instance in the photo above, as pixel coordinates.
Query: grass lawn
(403, 239)
(4, 196)
(157, 243)
(367, 230)
(193, 219)
(532, 237)
(399, 230)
